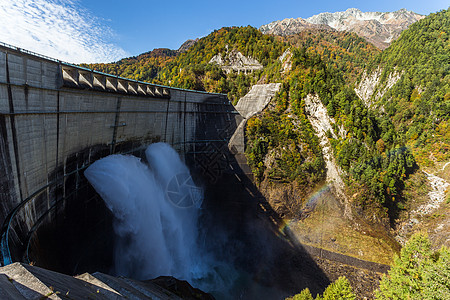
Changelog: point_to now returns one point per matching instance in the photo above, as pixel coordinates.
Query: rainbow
(284, 226)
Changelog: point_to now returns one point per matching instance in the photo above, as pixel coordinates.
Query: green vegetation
(372, 154)
(192, 70)
(376, 149)
(345, 51)
(289, 141)
(338, 290)
(418, 273)
(144, 67)
(419, 103)
(304, 295)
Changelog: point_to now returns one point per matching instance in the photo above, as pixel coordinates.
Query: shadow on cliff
(239, 226)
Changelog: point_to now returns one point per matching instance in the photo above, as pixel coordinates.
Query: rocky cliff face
(186, 45)
(234, 60)
(291, 26)
(370, 89)
(378, 28)
(286, 60)
(420, 217)
(321, 122)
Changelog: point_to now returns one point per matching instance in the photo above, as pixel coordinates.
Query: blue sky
(101, 30)
(142, 25)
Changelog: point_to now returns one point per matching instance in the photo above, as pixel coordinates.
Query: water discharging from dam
(164, 226)
(156, 208)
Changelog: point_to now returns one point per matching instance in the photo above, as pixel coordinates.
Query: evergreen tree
(417, 273)
(304, 295)
(338, 290)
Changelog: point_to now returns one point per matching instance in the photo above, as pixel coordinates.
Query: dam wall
(56, 119)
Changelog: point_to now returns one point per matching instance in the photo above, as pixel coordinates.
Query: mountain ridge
(378, 28)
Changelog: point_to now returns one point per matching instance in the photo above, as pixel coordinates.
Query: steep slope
(418, 101)
(186, 45)
(282, 146)
(335, 169)
(309, 167)
(291, 26)
(345, 51)
(234, 61)
(376, 27)
(229, 60)
(409, 84)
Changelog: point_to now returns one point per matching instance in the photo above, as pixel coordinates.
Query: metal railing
(4, 242)
(11, 47)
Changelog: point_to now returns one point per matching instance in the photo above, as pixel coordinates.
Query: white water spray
(156, 212)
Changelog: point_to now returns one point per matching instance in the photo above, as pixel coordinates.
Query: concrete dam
(56, 119)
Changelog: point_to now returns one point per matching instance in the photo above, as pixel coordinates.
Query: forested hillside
(376, 169)
(144, 67)
(345, 51)
(419, 103)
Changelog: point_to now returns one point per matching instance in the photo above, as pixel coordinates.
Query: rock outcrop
(370, 89)
(321, 123)
(291, 26)
(378, 28)
(286, 60)
(186, 45)
(235, 61)
(437, 195)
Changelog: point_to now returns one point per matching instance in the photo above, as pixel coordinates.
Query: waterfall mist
(161, 228)
(156, 209)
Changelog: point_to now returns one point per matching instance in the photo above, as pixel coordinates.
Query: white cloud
(56, 28)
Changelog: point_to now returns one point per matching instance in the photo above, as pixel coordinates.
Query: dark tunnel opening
(74, 235)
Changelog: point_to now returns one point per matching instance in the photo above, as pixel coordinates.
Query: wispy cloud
(56, 28)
